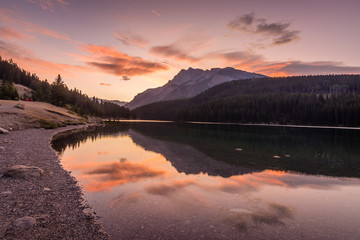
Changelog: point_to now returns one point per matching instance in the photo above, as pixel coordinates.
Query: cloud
(319, 67)
(6, 15)
(11, 50)
(29, 61)
(155, 13)
(12, 34)
(240, 59)
(166, 189)
(125, 78)
(48, 4)
(109, 60)
(253, 62)
(279, 32)
(173, 51)
(105, 84)
(131, 39)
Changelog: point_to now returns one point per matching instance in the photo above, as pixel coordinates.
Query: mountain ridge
(188, 83)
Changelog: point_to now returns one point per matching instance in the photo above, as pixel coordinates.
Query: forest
(331, 100)
(56, 93)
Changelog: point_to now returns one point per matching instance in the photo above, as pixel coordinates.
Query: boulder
(3, 130)
(23, 172)
(24, 222)
(20, 105)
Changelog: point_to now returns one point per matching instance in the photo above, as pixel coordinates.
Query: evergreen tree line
(303, 100)
(56, 93)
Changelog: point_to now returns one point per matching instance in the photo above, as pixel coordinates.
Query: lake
(156, 180)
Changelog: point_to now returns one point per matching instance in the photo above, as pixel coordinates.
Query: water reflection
(163, 181)
(194, 149)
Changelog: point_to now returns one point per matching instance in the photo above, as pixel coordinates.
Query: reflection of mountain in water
(215, 149)
(186, 158)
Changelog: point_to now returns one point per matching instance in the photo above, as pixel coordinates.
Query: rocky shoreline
(44, 206)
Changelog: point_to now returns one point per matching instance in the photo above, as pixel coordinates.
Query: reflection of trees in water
(332, 152)
(74, 141)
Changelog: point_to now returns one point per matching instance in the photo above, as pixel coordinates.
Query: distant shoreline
(245, 124)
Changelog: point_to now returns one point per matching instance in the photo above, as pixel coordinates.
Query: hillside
(35, 114)
(188, 83)
(309, 100)
(17, 83)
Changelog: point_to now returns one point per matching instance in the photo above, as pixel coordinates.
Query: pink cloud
(131, 39)
(7, 16)
(8, 33)
(26, 59)
(155, 13)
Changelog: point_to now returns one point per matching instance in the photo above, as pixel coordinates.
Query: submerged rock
(24, 222)
(24, 172)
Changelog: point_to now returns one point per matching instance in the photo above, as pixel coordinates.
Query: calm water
(190, 181)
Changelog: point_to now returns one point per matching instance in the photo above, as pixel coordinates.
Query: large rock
(24, 222)
(20, 105)
(24, 172)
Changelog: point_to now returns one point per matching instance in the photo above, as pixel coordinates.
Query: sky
(115, 49)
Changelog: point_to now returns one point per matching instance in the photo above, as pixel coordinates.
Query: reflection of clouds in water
(166, 189)
(255, 181)
(243, 219)
(129, 199)
(110, 175)
(125, 171)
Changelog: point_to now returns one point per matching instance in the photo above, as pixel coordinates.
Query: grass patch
(48, 124)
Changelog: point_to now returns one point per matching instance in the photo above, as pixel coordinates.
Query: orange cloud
(253, 62)
(105, 84)
(110, 60)
(8, 33)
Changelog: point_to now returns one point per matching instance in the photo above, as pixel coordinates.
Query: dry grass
(35, 114)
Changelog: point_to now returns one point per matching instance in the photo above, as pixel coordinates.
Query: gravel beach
(49, 206)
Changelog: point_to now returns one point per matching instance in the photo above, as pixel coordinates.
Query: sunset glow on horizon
(117, 49)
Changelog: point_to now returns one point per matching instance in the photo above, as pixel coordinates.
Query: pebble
(2, 148)
(24, 222)
(47, 189)
(5, 193)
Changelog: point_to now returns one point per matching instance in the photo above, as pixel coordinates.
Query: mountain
(328, 100)
(188, 83)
